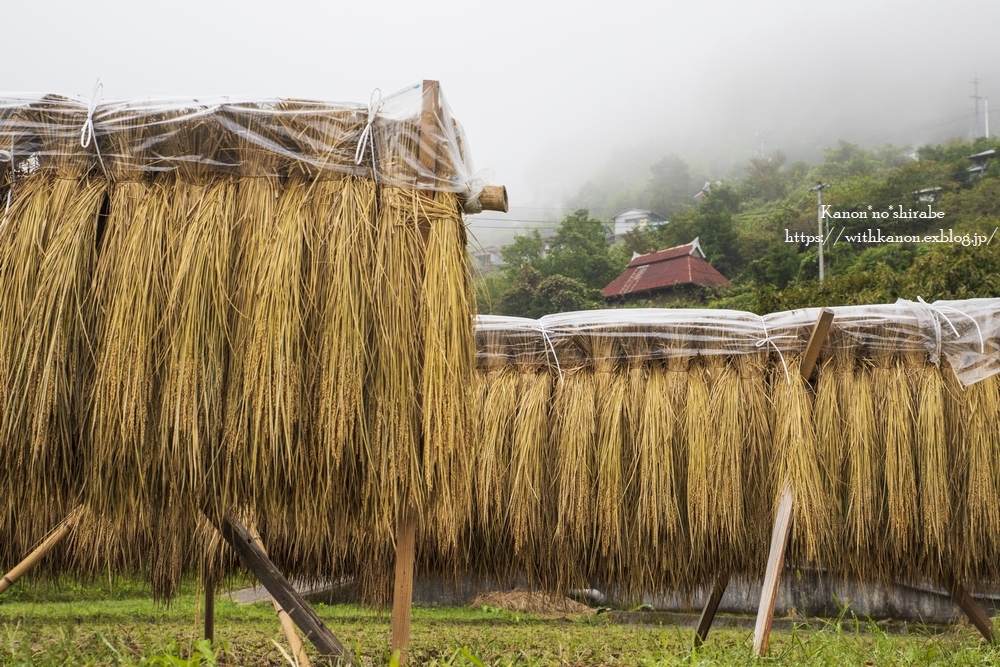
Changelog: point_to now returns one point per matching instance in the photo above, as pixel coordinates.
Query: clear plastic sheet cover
(965, 334)
(412, 135)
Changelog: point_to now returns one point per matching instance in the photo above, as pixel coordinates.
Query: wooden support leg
(772, 576)
(711, 605)
(972, 609)
(402, 596)
(783, 518)
(49, 543)
(287, 627)
(242, 542)
(209, 609)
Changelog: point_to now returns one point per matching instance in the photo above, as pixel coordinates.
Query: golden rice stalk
(193, 359)
(698, 438)
(493, 471)
(54, 373)
(258, 191)
(48, 238)
(658, 513)
(933, 465)
(830, 428)
(863, 512)
(574, 437)
(347, 319)
(636, 343)
(611, 394)
(448, 319)
(895, 419)
(529, 478)
(395, 478)
(759, 483)
(130, 287)
(981, 524)
(728, 466)
(798, 463)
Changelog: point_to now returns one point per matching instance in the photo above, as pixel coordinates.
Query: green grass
(101, 624)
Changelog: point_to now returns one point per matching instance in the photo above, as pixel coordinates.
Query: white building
(633, 218)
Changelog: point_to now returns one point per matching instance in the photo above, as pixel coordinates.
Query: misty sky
(551, 93)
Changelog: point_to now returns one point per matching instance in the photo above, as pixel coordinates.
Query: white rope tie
(10, 187)
(87, 131)
(938, 310)
(366, 140)
(769, 340)
(548, 341)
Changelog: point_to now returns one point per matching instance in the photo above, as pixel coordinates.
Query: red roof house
(663, 270)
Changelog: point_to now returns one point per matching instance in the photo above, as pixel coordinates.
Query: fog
(553, 94)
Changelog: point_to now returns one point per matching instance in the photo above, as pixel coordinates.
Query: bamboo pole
(287, 626)
(406, 528)
(55, 537)
(783, 518)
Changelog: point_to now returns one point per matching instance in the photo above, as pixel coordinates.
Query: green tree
(580, 251)
(671, 187)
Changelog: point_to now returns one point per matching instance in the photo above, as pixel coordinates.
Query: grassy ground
(101, 625)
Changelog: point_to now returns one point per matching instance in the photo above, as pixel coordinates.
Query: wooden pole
(55, 537)
(783, 518)
(209, 608)
(406, 523)
(287, 627)
(973, 610)
(254, 558)
(402, 594)
(711, 606)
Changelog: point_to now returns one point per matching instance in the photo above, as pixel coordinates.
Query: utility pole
(818, 189)
(975, 101)
(986, 102)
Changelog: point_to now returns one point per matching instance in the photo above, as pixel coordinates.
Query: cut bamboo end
(492, 198)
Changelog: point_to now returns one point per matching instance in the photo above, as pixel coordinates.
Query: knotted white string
(548, 341)
(87, 131)
(938, 310)
(10, 188)
(366, 140)
(769, 340)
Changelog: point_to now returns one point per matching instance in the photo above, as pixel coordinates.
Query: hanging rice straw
(529, 463)
(575, 442)
(894, 423)
(933, 466)
(798, 462)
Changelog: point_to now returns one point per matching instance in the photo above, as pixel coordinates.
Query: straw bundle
(863, 512)
(758, 480)
(798, 464)
(659, 472)
(611, 391)
(48, 239)
(191, 364)
(895, 418)
(981, 520)
(529, 493)
(698, 439)
(830, 431)
(449, 359)
(395, 478)
(933, 465)
(492, 472)
(574, 437)
(129, 292)
(728, 466)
